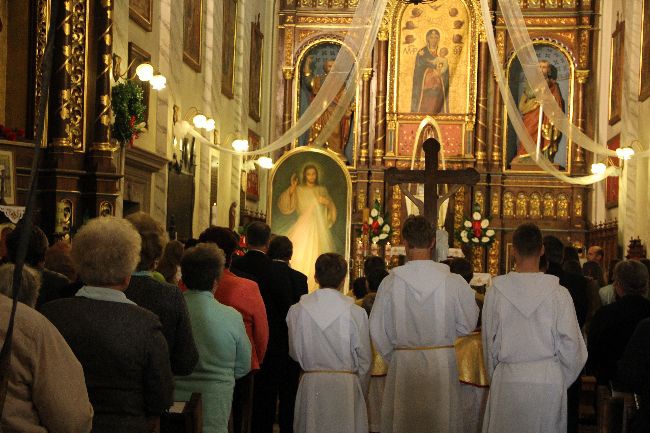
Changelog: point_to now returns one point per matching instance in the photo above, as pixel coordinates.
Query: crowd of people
(115, 326)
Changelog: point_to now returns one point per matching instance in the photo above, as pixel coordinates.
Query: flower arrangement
(476, 230)
(377, 229)
(128, 108)
(11, 134)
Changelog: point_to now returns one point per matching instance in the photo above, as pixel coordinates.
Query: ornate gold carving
(477, 259)
(289, 33)
(535, 206)
(459, 212)
(77, 64)
(562, 206)
(551, 21)
(551, 3)
(568, 3)
(287, 71)
(534, 4)
(582, 76)
(549, 206)
(522, 205)
(105, 209)
(496, 204)
(324, 20)
(479, 200)
(361, 199)
(366, 74)
(63, 223)
(396, 217)
(508, 204)
(577, 206)
(584, 48)
(493, 258)
(43, 23)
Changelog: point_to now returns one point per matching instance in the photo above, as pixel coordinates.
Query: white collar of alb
(103, 294)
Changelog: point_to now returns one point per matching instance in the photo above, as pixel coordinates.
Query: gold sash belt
(328, 372)
(450, 346)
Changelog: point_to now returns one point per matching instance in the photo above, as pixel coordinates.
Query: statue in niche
(529, 106)
(313, 83)
(431, 77)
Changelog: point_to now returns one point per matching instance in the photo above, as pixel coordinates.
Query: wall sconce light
(145, 72)
(240, 145)
(598, 168)
(265, 162)
(200, 120)
(625, 153)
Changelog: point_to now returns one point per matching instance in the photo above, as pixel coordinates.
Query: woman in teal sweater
(224, 348)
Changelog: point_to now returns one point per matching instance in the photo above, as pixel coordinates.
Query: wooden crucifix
(431, 177)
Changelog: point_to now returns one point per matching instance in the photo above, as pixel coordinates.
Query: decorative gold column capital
(582, 75)
(366, 74)
(288, 73)
(382, 35)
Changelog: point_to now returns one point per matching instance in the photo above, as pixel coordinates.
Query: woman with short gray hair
(630, 278)
(120, 345)
(30, 284)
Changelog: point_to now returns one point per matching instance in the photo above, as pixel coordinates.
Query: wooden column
(482, 101)
(365, 117)
(581, 77)
(286, 114)
(496, 143)
(60, 95)
(380, 100)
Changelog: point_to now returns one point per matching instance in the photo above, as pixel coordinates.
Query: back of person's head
(202, 266)
(368, 302)
(462, 267)
(153, 237)
(527, 240)
(106, 251)
(57, 259)
(631, 277)
(553, 250)
(36, 248)
(646, 263)
(258, 234)
(375, 277)
(281, 248)
(359, 287)
(373, 262)
(593, 270)
(223, 237)
(170, 260)
(331, 269)
(418, 232)
(543, 264)
(191, 242)
(572, 267)
(30, 284)
(570, 253)
(610, 272)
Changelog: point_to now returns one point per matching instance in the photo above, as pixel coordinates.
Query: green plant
(128, 109)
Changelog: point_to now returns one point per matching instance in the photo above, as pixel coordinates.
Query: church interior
(480, 115)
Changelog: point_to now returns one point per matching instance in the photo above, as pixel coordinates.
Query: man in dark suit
(634, 374)
(577, 285)
(257, 264)
(614, 324)
(293, 285)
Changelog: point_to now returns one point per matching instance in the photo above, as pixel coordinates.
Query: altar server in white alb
(532, 344)
(420, 310)
(328, 336)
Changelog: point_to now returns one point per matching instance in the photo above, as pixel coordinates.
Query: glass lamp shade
(199, 121)
(598, 168)
(265, 162)
(144, 72)
(209, 125)
(240, 145)
(158, 82)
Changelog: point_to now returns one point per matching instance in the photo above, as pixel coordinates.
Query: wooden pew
(184, 416)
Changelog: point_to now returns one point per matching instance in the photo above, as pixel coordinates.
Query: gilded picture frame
(141, 12)
(644, 72)
(255, 71)
(193, 33)
(7, 163)
(137, 56)
(612, 182)
(228, 52)
(333, 178)
(617, 57)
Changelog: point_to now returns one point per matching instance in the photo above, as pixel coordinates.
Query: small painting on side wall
(141, 12)
(228, 48)
(7, 177)
(192, 33)
(255, 83)
(616, 73)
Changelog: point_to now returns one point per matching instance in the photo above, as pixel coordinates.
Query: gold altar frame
(348, 182)
(572, 80)
(302, 51)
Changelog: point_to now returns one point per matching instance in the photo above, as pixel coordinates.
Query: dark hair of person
(191, 242)
(632, 276)
(527, 240)
(170, 260)
(359, 289)
(592, 269)
(570, 253)
(304, 173)
(201, 266)
(572, 267)
(418, 232)
(58, 259)
(280, 248)
(610, 272)
(36, 248)
(373, 262)
(368, 302)
(375, 277)
(543, 263)
(223, 237)
(462, 267)
(331, 269)
(153, 237)
(553, 249)
(258, 234)
(646, 263)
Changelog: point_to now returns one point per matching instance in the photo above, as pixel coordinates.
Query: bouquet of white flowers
(476, 230)
(377, 229)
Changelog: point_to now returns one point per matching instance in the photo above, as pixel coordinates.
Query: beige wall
(187, 88)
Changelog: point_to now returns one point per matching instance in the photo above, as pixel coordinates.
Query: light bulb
(598, 168)
(199, 121)
(240, 145)
(209, 125)
(265, 162)
(158, 82)
(625, 153)
(144, 71)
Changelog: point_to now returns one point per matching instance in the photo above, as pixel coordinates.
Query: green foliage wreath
(128, 109)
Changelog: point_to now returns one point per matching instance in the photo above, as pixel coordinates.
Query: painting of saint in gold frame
(311, 196)
(228, 40)
(255, 80)
(558, 69)
(616, 77)
(192, 33)
(314, 65)
(433, 53)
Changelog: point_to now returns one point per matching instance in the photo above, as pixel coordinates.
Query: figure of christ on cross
(431, 177)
